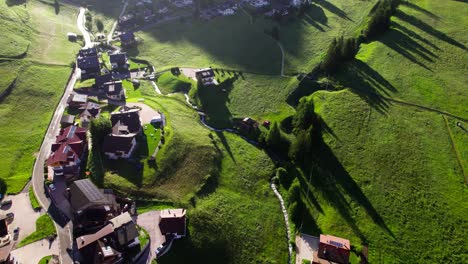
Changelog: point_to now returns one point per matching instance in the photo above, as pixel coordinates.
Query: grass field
(421, 60)
(230, 42)
(39, 85)
(250, 95)
(239, 208)
(44, 228)
(37, 88)
(169, 83)
(390, 180)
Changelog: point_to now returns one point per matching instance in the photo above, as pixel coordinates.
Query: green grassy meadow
(239, 208)
(41, 75)
(390, 180)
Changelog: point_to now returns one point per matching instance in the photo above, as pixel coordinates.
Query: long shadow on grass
(418, 8)
(368, 84)
(428, 29)
(330, 178)
(406, 46)
(213, 100)
(316, 17)
(223, 140)
(414, 35)
(333, 9)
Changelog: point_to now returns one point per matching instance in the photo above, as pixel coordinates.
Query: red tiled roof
(69, 146)
(337, 242)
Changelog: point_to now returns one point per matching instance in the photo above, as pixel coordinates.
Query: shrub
(99, 128)
(99, 25)
(294, 192)
(276, 140)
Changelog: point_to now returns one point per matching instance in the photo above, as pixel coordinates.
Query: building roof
(118, 58)
(90, 110)
(102, 79)
(172, 221)
(90, 52)
(78, 98)
(113, 144)
(337, 242)
(125, 228)
(113, 88)
(85, 240)
(90, 62)
(67, 119)
(85, 194)
(204, 73)
(127, 37)
(126, 117)
(69, 145)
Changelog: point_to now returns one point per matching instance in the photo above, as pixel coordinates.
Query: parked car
(52, 187)
(6, 202)
(159, 250)
(16, 230)
(10, 215)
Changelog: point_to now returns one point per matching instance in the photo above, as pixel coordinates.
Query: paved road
(149, 221)
(32, 253)
(25, 217)
(63, 233)
(80, 23)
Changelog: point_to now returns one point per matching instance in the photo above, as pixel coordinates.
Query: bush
(380, 19)
(99, 128)
(99, 25)
(294, 192)
(340, 50)
(276, 140)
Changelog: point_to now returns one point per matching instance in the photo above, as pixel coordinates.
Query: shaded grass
(237, 219)
(404, 190)
(37, 88)
(169, 83)
(45, 260)
(32, 197)
(44, 228)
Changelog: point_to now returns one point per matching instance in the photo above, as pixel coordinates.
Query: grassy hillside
(39, 85)
(248, 95)
(306, 40)
(230, 42)
(240, 220)
(185, 161)
(37, 90)
(421, 59)
(390, 180)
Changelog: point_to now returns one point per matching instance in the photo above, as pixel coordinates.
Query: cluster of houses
(104, 226)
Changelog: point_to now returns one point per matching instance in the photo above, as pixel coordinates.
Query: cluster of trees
(99, 128)
(275, 140)
(306, 127)
(380, 18)
(340, 50)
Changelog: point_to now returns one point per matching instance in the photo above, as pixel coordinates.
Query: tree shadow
(428, 29)
(333, 182)
(15, 2)
(407, 47)
(418, 8)
(131, 170)
(223, 140)
(213, 100)
(414, 35)
(316, 17)
(333, 9)
(368, 84)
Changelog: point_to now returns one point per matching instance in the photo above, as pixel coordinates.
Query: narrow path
(80, 23)
(282, 58)
(156, 88)
(286, 218)
(455, 150)
(110, 37)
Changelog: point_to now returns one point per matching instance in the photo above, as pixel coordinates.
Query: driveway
(150, 222)
(25, 217)
(80, 23)
(32, 253)
(189, 72)
(305, 247)
(146, 114)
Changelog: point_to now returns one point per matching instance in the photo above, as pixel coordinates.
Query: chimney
(82, 240)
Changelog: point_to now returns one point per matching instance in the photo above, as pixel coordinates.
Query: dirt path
(455, 150)
(286, 219)
(111, 33)
(80, 23)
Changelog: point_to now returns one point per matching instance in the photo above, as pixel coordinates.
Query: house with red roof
(68, 150)
(173, 222)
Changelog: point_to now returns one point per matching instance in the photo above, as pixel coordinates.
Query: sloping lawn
(37, 90)
(389, 180)
(44, 228)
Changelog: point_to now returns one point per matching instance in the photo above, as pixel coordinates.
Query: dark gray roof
(85, 194)
(91, 52)
(129, 118)
(112, 144)
(119, 58)
(113, 88)
(91, 62)
(204, 73)
(67, 119)
(101, 79)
